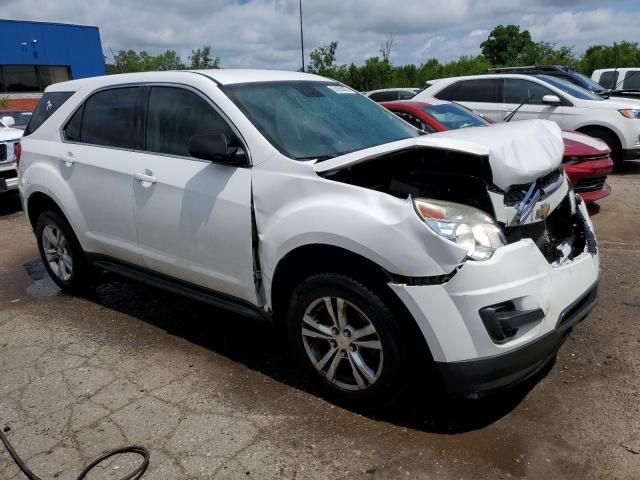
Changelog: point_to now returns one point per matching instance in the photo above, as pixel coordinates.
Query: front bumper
(8, 178)
(448, 315)
(513, 367)
(589, 178)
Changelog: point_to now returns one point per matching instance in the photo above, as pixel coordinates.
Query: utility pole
(301, 38)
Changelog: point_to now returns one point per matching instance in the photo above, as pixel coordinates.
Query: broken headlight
(461, 224)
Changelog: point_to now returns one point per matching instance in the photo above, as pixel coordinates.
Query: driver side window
(519, 91)
(174, 115)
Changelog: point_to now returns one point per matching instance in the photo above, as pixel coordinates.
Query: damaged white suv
(385, 254)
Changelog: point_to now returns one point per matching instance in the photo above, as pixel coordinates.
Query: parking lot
(213, 395)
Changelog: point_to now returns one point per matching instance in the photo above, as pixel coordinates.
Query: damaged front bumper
(534, 296)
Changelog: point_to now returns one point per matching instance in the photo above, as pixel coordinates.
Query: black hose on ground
(134, 475)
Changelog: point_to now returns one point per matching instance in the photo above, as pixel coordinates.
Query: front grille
(3, 152)
(594, 184)
(559, 227)
(13, 173)
(516, 193)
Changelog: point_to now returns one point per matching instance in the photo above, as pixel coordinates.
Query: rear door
(97, 158)
(517, 91)
(481, 95)
(193, 217)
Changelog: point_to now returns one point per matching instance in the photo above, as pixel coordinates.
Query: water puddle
(43, 286)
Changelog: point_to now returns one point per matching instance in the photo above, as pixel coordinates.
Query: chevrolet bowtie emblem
(543, 211)
(525, 207)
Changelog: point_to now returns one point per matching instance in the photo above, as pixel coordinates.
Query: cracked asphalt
(213, 395)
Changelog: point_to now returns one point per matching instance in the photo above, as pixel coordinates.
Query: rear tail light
(17, 153)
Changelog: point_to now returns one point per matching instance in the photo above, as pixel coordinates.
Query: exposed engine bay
(544, 210)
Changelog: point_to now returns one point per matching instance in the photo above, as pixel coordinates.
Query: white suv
(614, 121)
(383, 252)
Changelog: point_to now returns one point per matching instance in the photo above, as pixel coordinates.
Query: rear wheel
(347, 339)
(61, 253)
(612, 142)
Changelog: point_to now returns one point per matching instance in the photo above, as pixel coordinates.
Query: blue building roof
(37, 43)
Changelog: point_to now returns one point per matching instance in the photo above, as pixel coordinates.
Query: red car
(586, 160)
(20, 117)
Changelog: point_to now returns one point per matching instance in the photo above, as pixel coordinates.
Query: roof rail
(529, 68)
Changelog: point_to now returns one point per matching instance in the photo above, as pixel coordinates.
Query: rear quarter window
(48, 104)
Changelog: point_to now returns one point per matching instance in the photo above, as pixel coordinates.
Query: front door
(193, 217)
(518, 91)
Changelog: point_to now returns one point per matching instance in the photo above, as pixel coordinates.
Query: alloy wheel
(342, 343)
(57, 253)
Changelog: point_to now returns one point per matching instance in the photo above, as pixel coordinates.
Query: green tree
(126, 61)
(202, 59)
(623, 54)
(323, 59)
(505, 44)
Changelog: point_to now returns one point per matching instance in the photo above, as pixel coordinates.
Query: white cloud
(265, 33)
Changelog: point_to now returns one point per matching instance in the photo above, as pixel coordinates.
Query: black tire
(612, 142)
(79, 280)
(392, 377)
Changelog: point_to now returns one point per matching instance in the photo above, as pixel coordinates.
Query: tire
(367, 369)
(612, 142)
(60, 249)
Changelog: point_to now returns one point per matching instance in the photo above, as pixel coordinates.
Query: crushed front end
(531, 267)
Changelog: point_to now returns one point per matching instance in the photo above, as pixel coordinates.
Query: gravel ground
(213, 395)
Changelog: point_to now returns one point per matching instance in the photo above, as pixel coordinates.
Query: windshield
(453, 116)
(590, 84)
(316, 120)
(570, 88)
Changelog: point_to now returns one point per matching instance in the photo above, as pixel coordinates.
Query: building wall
(76, 46)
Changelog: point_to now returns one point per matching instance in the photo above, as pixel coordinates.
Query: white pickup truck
(9, 151)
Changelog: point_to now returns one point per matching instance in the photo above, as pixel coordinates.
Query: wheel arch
(602, 128)
(306, 260)
(39, 202)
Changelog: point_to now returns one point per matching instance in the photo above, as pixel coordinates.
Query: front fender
(297, 210)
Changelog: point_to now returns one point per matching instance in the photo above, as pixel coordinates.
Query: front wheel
(347, 338)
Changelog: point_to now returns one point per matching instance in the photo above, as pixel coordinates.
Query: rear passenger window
(107, 118)
(481, 90)
(384, 96)
(48, 104)
(174, 115)
(609, 79)
(449, 92)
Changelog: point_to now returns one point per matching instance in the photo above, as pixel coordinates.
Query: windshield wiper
(321, 158)
(511, 115)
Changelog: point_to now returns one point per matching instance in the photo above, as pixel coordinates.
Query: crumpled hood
(518, 152)
(10, 134)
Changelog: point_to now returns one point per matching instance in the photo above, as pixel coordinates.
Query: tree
(202, 59)
(126, 61)
(623, 54)
(505, 44)
(386, 48)
(323, 59)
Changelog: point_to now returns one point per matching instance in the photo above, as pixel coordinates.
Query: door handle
(144, 177)
(68, 159)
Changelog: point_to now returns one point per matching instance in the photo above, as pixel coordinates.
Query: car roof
(220, 76)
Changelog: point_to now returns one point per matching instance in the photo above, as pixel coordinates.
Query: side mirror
(8, 121)
(551, 100)
(213, 147)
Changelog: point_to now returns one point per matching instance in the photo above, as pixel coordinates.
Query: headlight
(630, 112)
(461, 224)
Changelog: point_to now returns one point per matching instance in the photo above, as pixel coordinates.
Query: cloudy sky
(265, 33)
